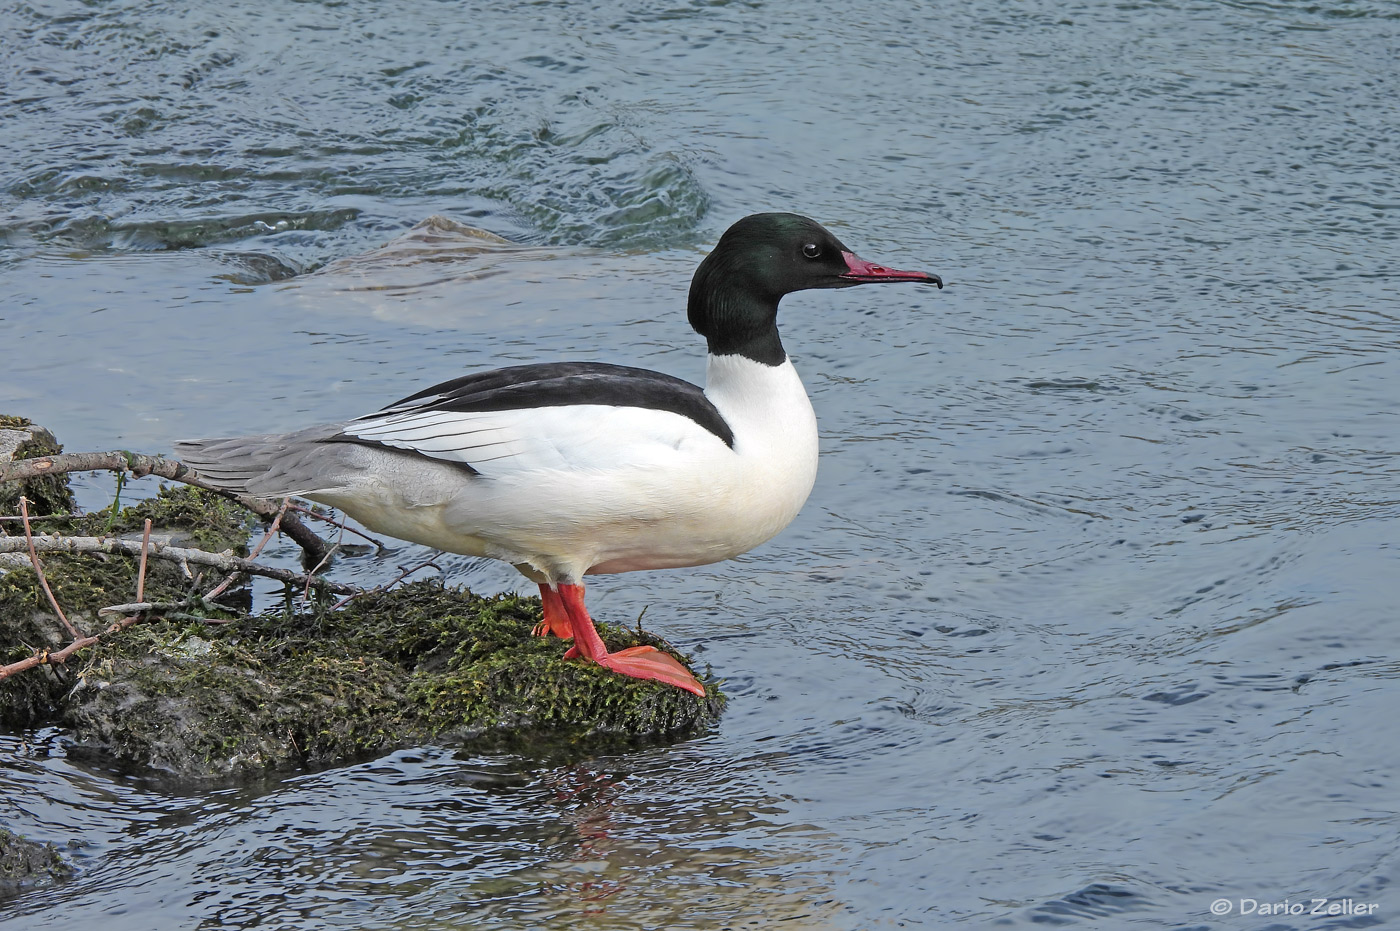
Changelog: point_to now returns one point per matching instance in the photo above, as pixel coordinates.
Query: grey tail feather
(268, 465)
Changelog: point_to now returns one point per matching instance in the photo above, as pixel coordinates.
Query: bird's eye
(811, 250)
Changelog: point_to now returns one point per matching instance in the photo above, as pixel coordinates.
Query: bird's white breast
(775, 440)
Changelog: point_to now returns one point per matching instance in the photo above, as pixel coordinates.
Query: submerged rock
(27, 864)
(214, 692)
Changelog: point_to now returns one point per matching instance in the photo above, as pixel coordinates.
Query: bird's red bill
(862, 272)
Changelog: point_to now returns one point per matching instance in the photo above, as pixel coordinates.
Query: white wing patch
(581, 437)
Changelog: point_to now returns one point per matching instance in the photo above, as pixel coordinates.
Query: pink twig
(39, 571)
(276, 522)
(229, 579)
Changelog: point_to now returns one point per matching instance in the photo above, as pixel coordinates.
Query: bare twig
(225, 562)
(151, 607)
(233, 577)
(325, 560)
(272, 528)
(139, 466)
(116, 461)
(39, 571)
(316, 515)
(222, 587)
(405, 573)
(59, 657)
(202, 602)
(141, 573)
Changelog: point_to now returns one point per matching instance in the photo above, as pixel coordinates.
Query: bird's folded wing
(579, 437)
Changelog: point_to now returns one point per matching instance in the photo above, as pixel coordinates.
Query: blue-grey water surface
(1092, 615)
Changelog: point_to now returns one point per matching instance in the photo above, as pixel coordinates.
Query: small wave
(102, 232)
(576, 180)
(1096, 900)
(145, 137)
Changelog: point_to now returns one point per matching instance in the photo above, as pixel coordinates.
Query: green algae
(234, 695)
(26, 864)
(204, 519)
(83, 584)
(422, 663)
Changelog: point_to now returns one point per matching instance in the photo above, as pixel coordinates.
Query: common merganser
(568, 469)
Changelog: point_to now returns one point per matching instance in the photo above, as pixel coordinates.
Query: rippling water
(1091, 616)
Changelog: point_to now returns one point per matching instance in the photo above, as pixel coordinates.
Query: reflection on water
(453, 840)
(1090, 616)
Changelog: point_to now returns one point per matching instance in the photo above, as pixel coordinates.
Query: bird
(570, 469)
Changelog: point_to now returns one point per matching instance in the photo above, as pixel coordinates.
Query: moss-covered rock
(25, 864)
(305, 685)
(48, 494)
(184, 516)
(84, 584)
(422, 663)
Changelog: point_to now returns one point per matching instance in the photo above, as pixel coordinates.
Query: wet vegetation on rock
(27, 864)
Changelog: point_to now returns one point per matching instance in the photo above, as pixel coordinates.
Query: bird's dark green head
(735, 292)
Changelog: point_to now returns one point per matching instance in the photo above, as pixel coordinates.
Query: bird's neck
(735, 317)
(768, 409)
(740, 386)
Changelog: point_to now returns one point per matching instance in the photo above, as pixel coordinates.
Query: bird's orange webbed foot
(556, 616)
(641, 662)
(646, 662)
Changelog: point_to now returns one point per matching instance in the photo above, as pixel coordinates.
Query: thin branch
(234, 576)
(59, 657)
(116, 461)
(316, 515)
(403, 574)
(272, 528)
(39, 571)
(225, 562)
(139, 466)
(325, 561)
(152, 607)
(141, 573)
(222, 587)
(311, 573)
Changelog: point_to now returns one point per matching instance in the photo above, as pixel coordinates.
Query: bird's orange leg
(556, 616)
(641, 662)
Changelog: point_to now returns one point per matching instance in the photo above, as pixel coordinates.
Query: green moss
(25, 864)
(205, 520)
(417, 664)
